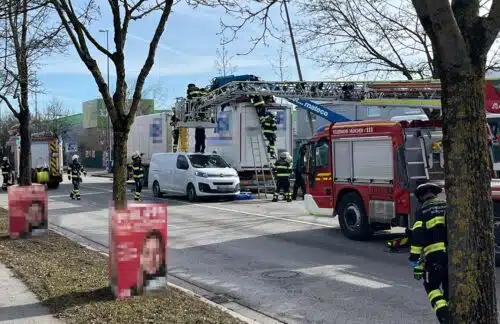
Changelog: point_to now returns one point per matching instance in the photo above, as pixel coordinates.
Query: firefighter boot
(443, 315)
(288, 197)
(275, 197)
(72, 194)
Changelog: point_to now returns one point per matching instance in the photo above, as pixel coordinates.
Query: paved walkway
(19, 305)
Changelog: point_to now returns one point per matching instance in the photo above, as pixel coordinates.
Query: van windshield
(207, 161)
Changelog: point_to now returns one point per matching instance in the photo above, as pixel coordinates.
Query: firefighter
(298, 169)
(6, 172)
(75, 175)
(270, 133)
(174, 122)
(269, 100)
(259, 104)
(193, 91)
(199, 140)
(428, 255)
(137, 174)
(282, 170)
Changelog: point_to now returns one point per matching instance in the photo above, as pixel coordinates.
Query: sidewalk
(19, 305)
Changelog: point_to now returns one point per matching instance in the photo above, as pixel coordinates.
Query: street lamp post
(296, 55)
(108, 120)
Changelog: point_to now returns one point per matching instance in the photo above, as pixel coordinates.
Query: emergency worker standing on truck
(137, 174)
(429, 239)
(174, 122)
(282, 170)
(75, 175)
(270, 133)
(298, 170)
(6, 171)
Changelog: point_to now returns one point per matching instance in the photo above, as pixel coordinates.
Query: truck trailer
(149, 134)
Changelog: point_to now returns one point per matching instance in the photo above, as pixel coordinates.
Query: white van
(192, 175)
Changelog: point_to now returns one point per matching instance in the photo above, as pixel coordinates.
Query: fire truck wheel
(352, 217)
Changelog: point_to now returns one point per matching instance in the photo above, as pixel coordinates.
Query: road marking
(259, 215)
(341, 273)
(233, 210)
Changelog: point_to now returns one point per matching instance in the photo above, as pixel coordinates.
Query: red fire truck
(365, 171)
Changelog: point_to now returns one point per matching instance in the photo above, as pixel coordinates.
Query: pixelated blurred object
(28, 210)
(138, 249)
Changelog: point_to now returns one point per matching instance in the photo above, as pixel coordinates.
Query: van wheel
(191, 193)
(352, 217)
(156, 189)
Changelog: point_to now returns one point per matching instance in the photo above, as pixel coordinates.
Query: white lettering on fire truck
(345, 131)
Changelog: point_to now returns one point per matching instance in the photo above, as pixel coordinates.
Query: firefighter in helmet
(75, 175)
(270, 133)
(259, 104)
(137, 174)
(6, 172)
(428, 255)
(282, 170)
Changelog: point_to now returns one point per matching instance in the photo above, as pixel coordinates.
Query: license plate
(225, 188)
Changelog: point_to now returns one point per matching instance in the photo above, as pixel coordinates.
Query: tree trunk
(470, 214)
(25, 154)
(120, 136)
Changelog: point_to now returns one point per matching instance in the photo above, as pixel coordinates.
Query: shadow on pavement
(15, 313)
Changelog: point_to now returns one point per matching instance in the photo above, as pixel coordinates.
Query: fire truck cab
(366, 171)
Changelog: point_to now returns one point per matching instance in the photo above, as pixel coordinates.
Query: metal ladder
(420, 160)
(255, 144)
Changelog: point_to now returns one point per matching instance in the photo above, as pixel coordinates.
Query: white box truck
(232, 138)
(149, 134)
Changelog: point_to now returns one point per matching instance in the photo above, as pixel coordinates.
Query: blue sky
(186, 55)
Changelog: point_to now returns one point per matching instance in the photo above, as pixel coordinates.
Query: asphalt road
(271, 257)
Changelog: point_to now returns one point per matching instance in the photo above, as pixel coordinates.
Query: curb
(186, 291)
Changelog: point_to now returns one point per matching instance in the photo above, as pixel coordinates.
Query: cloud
(161, 46)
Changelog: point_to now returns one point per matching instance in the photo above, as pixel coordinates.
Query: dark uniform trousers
(175, 133)
(6, 169)
(299, 183)
(270, 134)
(429, 238)
(199, 139)
(282, 169)
(138, 175)
(76, 170)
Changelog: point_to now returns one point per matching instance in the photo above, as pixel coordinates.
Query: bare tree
(50, 118)
(223, 60)
(461, 39)
(123, 13)
(28, 34)
(381, 38)
(279, 61)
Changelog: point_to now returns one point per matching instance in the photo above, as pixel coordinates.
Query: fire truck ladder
(334, 91)
(259, 163)
(420, 93)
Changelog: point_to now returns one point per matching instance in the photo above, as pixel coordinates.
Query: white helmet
(136, 155)
(284, 155)
(5, 158)
(74, 157)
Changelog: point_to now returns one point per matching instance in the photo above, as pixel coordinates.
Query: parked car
(193, 175)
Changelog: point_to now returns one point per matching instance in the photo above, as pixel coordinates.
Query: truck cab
(367, 171)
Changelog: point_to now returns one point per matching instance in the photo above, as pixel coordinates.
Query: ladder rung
(414, 163)
(414, 149)
(418, 177)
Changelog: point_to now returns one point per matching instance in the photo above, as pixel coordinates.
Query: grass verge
(72, 282)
